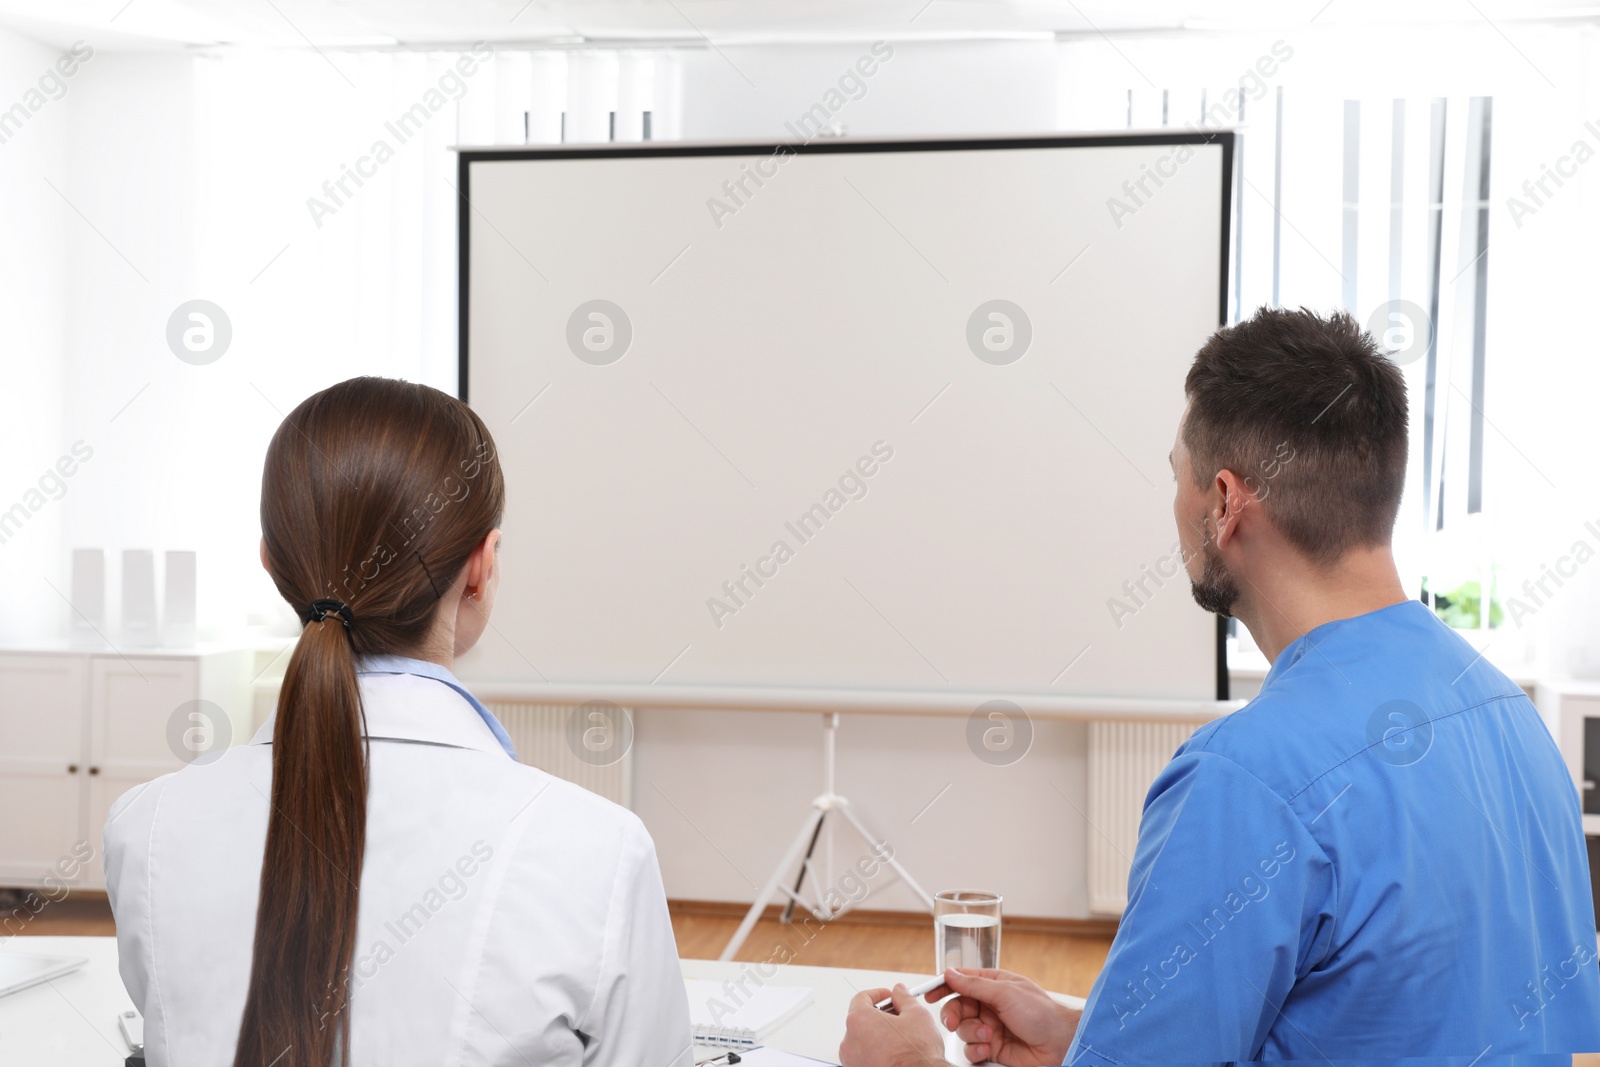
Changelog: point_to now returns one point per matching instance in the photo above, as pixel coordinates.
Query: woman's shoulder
(543, 799)
(204, 788)
(132, 812)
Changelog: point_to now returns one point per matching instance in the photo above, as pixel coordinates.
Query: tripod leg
(800, 876)
(905, 876)
(807, 832)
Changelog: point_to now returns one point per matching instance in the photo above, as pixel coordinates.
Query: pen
(917, 990)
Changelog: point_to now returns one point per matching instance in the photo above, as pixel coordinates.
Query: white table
(819, 1028)
(72, 1021)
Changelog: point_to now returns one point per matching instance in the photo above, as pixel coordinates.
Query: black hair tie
(321, 609)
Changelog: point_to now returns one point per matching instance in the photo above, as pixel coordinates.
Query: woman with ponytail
(374, 879)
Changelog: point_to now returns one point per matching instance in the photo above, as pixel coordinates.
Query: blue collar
(1296, 650)
(424, 669)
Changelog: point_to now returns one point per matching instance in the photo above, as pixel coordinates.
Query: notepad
(729, 1016)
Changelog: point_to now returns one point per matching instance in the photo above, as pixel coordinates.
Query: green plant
(1462, 607)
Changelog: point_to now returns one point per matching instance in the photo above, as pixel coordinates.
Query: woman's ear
(482, 563)
(264, 556)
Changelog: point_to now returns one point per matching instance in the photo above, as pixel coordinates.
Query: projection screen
(886, 415)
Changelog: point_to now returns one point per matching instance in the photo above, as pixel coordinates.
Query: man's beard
(1215, 590)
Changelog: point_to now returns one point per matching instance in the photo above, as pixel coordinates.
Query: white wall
(724, 793)
(132, 259)
(924, 89)
(33, 295)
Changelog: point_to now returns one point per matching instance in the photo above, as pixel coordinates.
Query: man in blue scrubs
(1378, 859)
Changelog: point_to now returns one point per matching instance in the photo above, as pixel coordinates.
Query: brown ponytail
(374, 494)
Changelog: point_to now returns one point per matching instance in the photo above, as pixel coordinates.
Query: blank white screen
(771, 352)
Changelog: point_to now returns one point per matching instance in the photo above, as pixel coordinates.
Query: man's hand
(1006, 1018)
(874, 1038)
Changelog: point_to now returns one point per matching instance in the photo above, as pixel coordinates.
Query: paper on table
(771, 1057)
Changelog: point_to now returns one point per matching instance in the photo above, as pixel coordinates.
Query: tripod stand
(805, 842)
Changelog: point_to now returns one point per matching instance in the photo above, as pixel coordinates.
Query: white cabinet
(41, 763)
(78, 729)
(1572, 711)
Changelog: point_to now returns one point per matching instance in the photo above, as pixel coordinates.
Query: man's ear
(1232, 497)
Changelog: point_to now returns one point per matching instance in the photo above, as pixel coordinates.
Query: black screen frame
(466, 158)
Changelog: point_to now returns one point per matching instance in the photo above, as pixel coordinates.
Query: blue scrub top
(1380, 857)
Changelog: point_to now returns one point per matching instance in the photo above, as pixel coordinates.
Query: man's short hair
(1312, 415)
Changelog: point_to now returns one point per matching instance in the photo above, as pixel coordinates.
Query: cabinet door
(132, 704)
(42, 772)
(1589, 770)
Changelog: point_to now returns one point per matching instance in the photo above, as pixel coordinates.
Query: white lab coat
(507, 917)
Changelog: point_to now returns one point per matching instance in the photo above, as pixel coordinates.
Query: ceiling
(147, 24)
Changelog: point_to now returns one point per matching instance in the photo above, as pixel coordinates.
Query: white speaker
(178, 603)
(139, 597)
(88, 622)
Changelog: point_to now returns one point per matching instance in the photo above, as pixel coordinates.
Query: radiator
(540, 733)
(1124, 759)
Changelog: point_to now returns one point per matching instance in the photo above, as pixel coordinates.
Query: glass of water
(966, 926)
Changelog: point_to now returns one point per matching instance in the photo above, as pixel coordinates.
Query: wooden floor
(1063, 957)
(1065, 961)
(82, 914)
